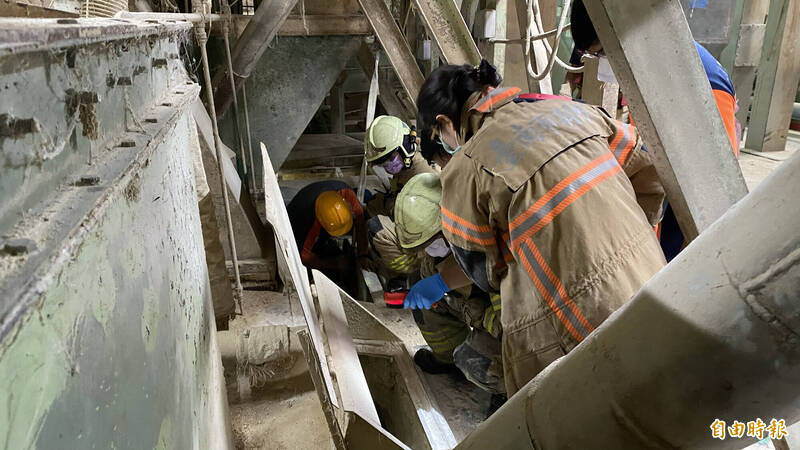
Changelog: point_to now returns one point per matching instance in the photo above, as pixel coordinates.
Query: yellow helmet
(333, 213)
(417, 214)
(387, 134)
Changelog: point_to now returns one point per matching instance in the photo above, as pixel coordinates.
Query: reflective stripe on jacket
(540, 206)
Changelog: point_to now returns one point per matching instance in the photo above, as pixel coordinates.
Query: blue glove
(426, 292)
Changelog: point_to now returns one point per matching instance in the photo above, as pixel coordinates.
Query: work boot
(495, 403)
(429, 364)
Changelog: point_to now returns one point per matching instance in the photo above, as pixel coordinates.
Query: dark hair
(448, 88)
(583, 32)
(429, 147)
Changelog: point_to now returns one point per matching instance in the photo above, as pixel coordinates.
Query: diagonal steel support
(446, 26)
(395, 45)
(676, 115)
(254, 40)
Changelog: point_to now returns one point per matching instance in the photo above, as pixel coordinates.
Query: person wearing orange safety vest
(322, 214)
(549, 204)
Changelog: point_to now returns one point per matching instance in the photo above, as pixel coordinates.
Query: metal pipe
(714, 335)
(225, 32)
(202, 38)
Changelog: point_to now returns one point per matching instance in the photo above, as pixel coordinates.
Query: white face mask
(438, 248)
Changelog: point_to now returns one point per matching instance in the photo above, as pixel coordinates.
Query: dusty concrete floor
(463, 404)
(271, 416)
(268, 417)
(756, 166)
(284, 415)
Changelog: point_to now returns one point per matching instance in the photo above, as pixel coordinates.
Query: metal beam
(446, 26)
(748, 54)
(718, 329)
(254, 40)
(677, 116)
(468, 10)
(336, 101)
(395, 100)
(778, 77)
(310, 25)
(394, 45)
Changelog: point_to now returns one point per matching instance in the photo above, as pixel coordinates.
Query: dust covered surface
(462, 404)
(284, 415)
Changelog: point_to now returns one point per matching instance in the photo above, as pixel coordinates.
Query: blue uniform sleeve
(716, 73)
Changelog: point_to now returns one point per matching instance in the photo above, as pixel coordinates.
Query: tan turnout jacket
(551, 204)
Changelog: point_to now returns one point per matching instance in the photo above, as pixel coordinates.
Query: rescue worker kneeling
(549, 204)
(391, 144)
(461, 325)
(322, 215)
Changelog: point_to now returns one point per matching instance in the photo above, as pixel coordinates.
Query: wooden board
(324, 150)
(312, 359)
(350, 377)
(279, 218)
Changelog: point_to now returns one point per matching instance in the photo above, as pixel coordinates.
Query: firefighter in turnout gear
(461, 326)
(391, 144)
(549, 204)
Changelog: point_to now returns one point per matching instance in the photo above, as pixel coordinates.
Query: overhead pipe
(713, 335)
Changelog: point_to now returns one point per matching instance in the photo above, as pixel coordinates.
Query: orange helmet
(333, 213)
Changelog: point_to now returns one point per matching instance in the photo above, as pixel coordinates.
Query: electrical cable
(534, 19)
